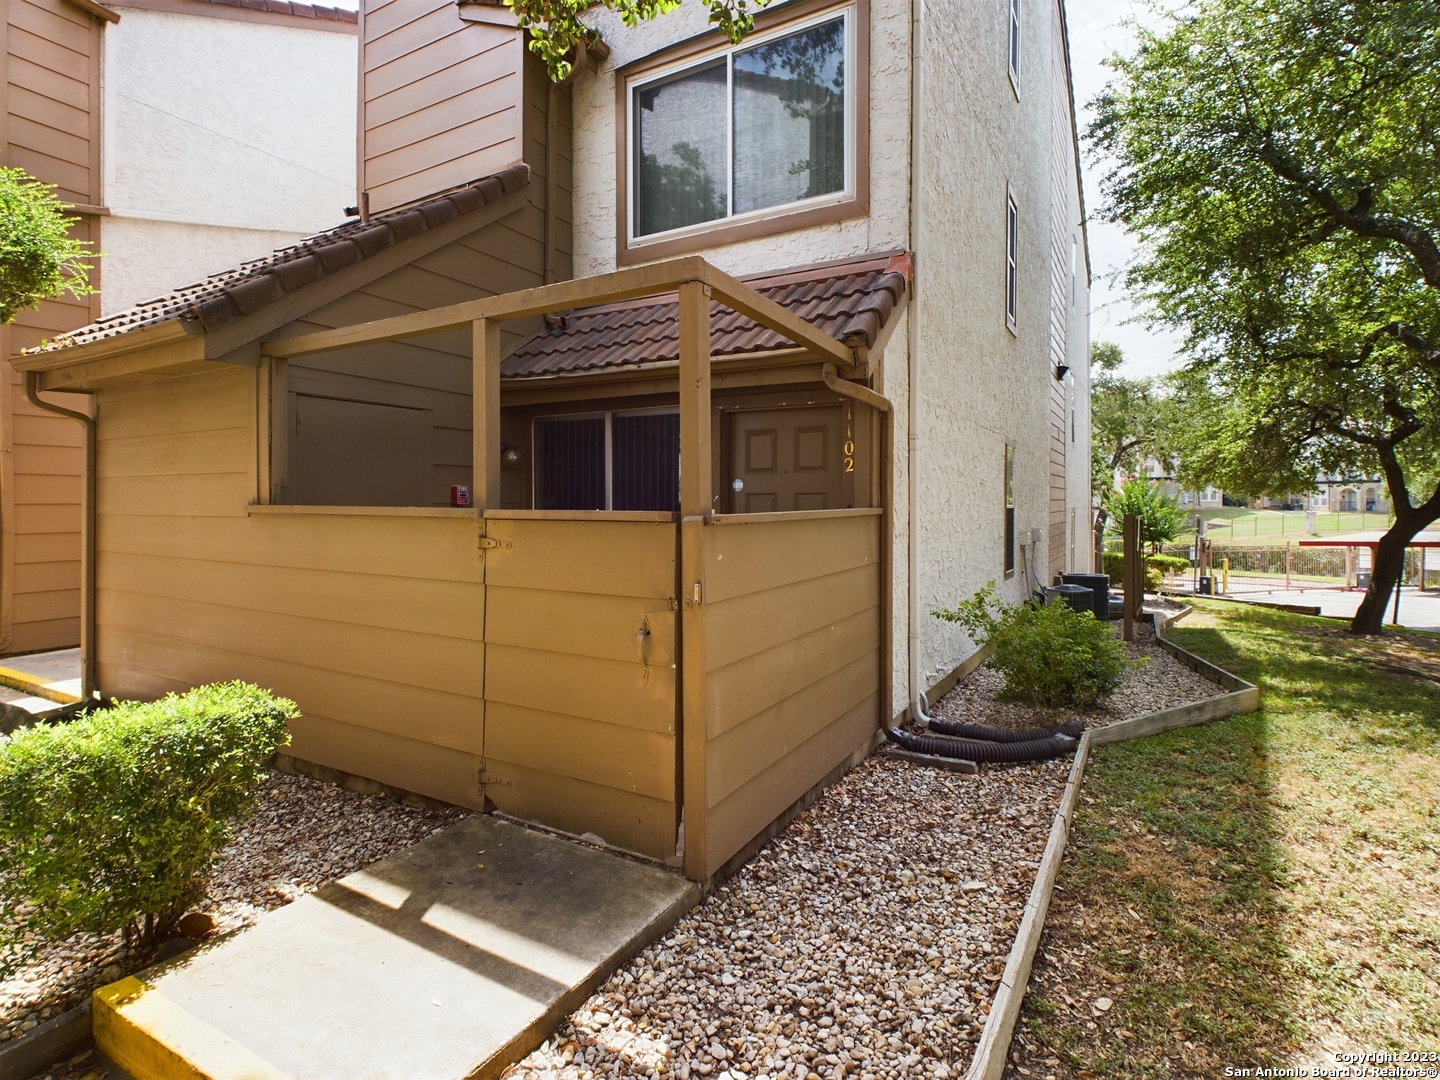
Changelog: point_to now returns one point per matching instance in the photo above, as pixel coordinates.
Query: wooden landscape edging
(994, 1045)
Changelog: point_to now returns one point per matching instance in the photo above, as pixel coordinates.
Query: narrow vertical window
(1009, 509)
(1074, 271)
(1015, 46)
(1012, 245)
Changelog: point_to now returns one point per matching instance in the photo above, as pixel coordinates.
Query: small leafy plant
(1050, 655)
(1157, 568)
(38, 257)
(1161, 519)
(111, 822)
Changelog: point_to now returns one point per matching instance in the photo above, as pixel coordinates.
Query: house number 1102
(849, 438)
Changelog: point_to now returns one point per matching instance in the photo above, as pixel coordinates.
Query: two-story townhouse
(185, 136)
(614, 488)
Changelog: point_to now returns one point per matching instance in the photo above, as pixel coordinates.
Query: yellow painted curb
(152, 1038)
(23, 680)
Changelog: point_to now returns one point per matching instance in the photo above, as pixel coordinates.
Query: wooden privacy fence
(760, 638)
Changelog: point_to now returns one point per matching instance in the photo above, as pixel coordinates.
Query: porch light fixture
(1061, 370)
(509, 456)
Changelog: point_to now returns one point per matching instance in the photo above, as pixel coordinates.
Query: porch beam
(738, 296)
(652, 280)
(485, 400)
(542, 300)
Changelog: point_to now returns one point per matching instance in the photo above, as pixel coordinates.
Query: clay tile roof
(851, 301)
(293, 7)
(222, 298)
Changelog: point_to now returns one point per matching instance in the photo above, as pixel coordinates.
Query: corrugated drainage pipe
(975, 750)
(87, 534)
(1074, 729)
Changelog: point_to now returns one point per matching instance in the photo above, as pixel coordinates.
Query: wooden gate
(580, 673)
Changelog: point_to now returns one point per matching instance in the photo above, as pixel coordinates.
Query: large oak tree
(1279, 161)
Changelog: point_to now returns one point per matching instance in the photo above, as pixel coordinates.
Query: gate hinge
(490, 541)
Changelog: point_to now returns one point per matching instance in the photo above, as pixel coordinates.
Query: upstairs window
(739, 135)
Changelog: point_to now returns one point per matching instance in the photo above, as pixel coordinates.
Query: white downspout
(912, 459)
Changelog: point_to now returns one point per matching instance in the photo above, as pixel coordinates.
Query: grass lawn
(1261, 891)
(1276, 526)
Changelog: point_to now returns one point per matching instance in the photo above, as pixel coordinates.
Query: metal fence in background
(1238, 568)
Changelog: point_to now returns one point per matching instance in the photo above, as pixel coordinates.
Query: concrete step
(453, 958)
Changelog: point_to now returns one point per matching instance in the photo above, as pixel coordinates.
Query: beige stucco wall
(595, 162)
(979, 385)
(222, 140)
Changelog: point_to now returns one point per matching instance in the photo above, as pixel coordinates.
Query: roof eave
(145, 337)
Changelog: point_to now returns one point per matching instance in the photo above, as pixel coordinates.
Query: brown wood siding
(43, 563)
(579, 733)
(441, 100)
(792, 663)
(503, 257)
(1060, 163)
(373, 624)
(49, 126)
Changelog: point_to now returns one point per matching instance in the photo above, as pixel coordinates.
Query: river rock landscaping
(1161, 682)
(863, 940)
(867, 938)
(303, 834)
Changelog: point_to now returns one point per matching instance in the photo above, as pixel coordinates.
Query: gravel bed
(304, 833)
(1162, 682)
(865, 940)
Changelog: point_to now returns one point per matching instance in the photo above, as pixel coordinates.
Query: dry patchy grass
(1262, 891)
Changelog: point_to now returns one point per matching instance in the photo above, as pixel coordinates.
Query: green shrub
(1157, 567)
(1050, 656)
(1161, 519)
(38, 259)
(111, 822)
(1168, 564)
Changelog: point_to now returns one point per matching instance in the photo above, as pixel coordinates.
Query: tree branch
(1358, 219)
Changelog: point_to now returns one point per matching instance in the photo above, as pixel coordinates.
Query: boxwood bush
(112, 821)
(1157, 567)
(1050, 655)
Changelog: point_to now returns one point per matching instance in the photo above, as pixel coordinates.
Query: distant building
(1209, 499)
(221, 129)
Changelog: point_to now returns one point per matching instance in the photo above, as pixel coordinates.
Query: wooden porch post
(1133, 573)
(695, 503)
(485, 387)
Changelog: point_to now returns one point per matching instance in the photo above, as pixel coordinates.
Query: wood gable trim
(159, 347)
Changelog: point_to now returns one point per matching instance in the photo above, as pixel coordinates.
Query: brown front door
(787, 459)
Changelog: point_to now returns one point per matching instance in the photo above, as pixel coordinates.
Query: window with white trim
(1014, 42)
(1012, 255)
(1009, 509)
(737, 135)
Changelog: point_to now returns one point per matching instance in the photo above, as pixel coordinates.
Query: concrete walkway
(451, 959)
(37, 682)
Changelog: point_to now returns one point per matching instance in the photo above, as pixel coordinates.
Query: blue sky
(1095, 33)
